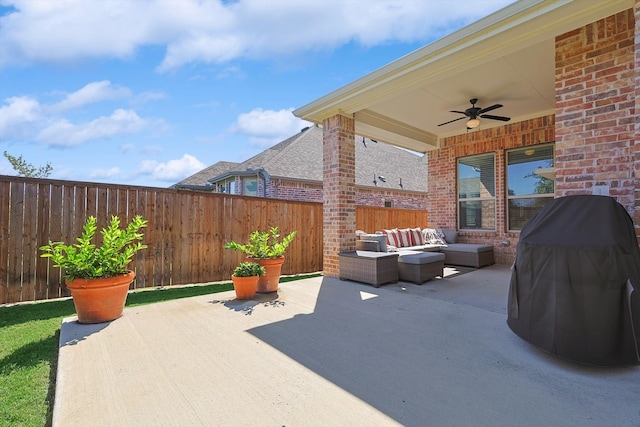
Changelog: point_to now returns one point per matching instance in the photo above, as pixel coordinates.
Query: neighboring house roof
(201, 178)
(300, 158)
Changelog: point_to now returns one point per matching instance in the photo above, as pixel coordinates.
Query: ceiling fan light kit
(475, 114)
(473, 123)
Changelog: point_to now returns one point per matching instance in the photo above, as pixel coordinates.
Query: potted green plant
(98, 277)
(245, 279)
(267, 249)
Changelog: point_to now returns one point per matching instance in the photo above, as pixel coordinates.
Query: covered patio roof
(506, 58)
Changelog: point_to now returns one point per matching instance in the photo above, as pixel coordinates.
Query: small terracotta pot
(273, 266)
(100, 300)
(245, 287)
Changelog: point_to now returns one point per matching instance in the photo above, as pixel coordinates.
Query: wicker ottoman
(470, 255)
(374, 268)
(418, 267)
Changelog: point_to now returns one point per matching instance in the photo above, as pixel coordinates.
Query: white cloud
(25, 118)
(17, 117)
(89, 94)
(217, 31)
(267, 127)
(173, 170)
(104, 173)
(66, 134)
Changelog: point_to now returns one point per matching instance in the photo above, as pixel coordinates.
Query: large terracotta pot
(245, 287)
(100, 300)
(272, 266)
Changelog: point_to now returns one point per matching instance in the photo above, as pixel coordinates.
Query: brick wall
(339, 179)
(637, 124)
(596, 116)
(442, 198)
(399, 199)
(312, 192)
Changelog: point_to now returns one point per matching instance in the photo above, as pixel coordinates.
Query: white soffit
(506, 58)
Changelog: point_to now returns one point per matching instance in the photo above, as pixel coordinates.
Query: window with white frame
(227, 186)
(477, 192)
(530, 183)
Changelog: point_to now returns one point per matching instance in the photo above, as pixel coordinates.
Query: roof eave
(522, 23)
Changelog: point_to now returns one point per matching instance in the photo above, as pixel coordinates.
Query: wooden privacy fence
(185, 235)
(373, 218)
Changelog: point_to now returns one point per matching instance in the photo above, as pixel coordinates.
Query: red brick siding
(399, 199)
(596, 95)
(312, 192)
(637, 120)
(339, 212)
(442, 199)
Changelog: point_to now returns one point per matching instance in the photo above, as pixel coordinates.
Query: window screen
(530, 183)
(476, 192)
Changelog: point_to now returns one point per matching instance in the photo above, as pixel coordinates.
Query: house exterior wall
(596, 130)
(442, 207)
(294, 190)
(596, 109)
(399, 199)
(312, 192)
(637, 117)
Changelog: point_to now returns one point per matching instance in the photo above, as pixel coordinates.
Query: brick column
(596, 104)
(637, 118)
(338, 194)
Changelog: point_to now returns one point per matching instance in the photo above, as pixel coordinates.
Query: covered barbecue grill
(575, 285)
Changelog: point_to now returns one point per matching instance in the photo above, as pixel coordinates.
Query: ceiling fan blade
(451, 121)
(493, 107)
(502, 119)
(459, 112)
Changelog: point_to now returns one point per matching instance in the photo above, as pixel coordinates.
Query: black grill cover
(572, 286)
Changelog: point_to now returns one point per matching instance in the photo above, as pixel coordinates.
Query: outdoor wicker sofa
(463, 254)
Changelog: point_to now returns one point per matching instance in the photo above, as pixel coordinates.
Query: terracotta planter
(100, 300)
(272, 266)
(245, 287)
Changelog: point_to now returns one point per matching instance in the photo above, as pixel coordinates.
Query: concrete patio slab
(330, 353)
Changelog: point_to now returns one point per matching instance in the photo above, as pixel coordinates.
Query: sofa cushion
(417, 238)
(380, 238)
(450, 236)
(393, 237)
(467, 247)
(431, 236)
(405, 237)
(409, 257)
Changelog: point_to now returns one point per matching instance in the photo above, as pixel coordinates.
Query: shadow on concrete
(441, 354)
(248, 306)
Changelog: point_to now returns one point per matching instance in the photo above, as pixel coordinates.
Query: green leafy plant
(86, 261)
(264, 244)
(249, 269)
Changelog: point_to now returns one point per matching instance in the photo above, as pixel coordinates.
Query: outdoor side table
(374, 268)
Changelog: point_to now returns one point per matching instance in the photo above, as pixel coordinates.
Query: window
(476, 192)
(530, 183)
(388, 203)
(250, 187)
(227, 186)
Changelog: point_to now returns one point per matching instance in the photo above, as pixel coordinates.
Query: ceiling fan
(475, 114)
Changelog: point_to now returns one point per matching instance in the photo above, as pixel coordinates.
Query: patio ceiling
(506, 58)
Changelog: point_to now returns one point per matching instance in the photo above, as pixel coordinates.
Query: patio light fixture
(473, 123)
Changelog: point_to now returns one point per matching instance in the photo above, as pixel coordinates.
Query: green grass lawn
(29, 335)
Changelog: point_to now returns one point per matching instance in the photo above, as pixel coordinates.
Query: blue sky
(148, 92)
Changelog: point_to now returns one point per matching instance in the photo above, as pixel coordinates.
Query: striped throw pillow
(416, 237)
(393, 237)
(405, 238)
